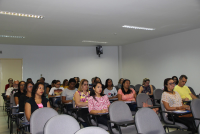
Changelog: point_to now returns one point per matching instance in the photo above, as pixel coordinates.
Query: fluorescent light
(136, 27)
(22, 14)
(9, 36)
(94, 41)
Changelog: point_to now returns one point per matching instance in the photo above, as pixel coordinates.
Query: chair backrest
(120, 108)
(192, 91)
(137, 87)
(131, 86)
(195, 110)
(12, 101)
(199, 129)
(39, 118)
(154, 88)
(142, 97)
(147, 122)
(61, 124)
(117, 88)
(157, 94)
(92, 130)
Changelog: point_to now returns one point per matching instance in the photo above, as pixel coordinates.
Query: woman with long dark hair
(38, 100)
(21, 91)
(98, 103)
(110, 90)
(175, 79)
(127, 94)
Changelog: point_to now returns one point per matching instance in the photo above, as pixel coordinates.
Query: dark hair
(57, 81)
(37, 80)
(35, 88)
(53, 82)
(72, 80)
(106, 84)
(96, 79)
(43, 78)
(28, 79)
(145, 80)
(176, 78)
(26, 85)
(129, 90)
(19, 87)
(165, 83)
(64, 82)
(9, 79)
(120, 80)
(92, 92)
(183, 76)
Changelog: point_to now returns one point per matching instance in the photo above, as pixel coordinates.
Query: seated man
(183, 90)
(9, 90)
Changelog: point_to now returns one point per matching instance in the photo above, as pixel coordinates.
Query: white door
(9, 68)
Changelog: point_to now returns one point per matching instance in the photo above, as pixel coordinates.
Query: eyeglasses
(171, 84)
(30, 86)
(21, 85)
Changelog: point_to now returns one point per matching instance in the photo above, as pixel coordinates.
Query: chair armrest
(13, 107)
(18, 113)
(171, 114)
(172, 126)
(158, 106)
(196, 118)
(123, 123)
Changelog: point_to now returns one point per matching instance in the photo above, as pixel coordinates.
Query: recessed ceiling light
(135, 27)
(94, 41)
(9, 36)
(22, 14)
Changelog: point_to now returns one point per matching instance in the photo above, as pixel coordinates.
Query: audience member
(90, 85)
(38, 81)
(120, 83)
(110, 90)
(77, 81)
(9, 90)
(127, 94)
(10, 84)
(29, 80)
(38, 100)
(50, 86)
(175, 79)
(146, 88)
(68, 93)
(183, 90)
(172, 101)
(21, 91)
(23, 98)
(97, 79)
(81, 100)
(65, 84)
(42, 80)
(98, 103)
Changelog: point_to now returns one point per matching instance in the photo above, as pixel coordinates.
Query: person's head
(53, 83)
(65, 82)
(168, 85)
(10, 81)
(15, 84)
(21, 87)
(29, 80)
(38, 81)
(42, 79)
(83, 85)
(29, 87)
(125, 86)
(92, 80)
(72, 83)
(175, 79)
(57, 84)
(96, 90)
(109, 83)
(182, 80)
(38, 89)
(97, 79)
(145, 82)
(120, 80)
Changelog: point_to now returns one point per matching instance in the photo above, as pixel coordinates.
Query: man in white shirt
(9, 90)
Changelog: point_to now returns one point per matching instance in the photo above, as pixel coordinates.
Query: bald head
(15, 84)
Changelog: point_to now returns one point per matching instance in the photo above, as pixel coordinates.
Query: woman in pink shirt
(127, 94)
(98, 103)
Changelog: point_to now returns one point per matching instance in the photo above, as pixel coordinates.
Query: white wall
(164, 57)
(60, 62)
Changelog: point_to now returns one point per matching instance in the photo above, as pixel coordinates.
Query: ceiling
(69, 22)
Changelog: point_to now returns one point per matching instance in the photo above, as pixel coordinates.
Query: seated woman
(172, 101)
(120, 83)
(97, 79)
(146, 88)
(20, 92)
(110, 90)
(68, 94)
(127, 94)
(77, 81)
(38, 100)
(98, 103)
(50, 86)
(65, 84)
(23, 98)
(81, 100)
(175, 79)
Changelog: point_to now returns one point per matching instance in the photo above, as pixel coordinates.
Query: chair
(131, 86)
(154, 88)
(147, 122)
(142, 97)
(195, 111)
(61, 124)
(165, 119)
(137, 88)
(39, 118)
(117, 88)
(199, 129)
(92, 130)
(192, 91)
(157, 94)
(121, 116)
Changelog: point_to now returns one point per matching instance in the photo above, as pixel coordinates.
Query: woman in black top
(38, 100)
(23, 98)
(20, 92)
